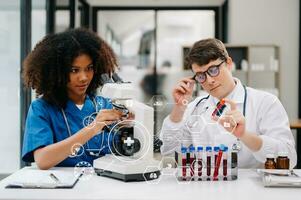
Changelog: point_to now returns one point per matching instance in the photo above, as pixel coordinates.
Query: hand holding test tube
(233, 120)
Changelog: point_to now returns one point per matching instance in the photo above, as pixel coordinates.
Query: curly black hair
(46, 69)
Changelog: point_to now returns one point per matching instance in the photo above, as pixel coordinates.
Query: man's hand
(182, 93)
(233, 120)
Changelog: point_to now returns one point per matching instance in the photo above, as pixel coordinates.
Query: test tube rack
(200, 165)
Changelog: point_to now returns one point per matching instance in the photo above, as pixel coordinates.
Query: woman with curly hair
(65, 70)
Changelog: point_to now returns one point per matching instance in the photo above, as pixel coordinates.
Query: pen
(53, 177)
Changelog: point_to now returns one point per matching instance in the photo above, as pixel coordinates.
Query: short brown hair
(46, 69)
(205, 51)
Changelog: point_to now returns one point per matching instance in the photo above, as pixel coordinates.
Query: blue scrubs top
(45, 125)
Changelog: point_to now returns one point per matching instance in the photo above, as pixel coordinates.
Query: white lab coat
(265, 116)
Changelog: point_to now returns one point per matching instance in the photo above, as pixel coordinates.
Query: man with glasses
(254, 122)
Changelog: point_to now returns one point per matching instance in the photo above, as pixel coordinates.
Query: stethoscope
(97, 154)
(236, 146)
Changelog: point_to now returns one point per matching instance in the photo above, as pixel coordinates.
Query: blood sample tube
(217, 164)
(208, 161)
(215, 152)
(225, 163)
(192, 161)
(219, 108)
(200, 161)
(184, 151)
(234, 166)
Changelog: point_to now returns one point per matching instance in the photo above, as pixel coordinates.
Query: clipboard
(42, 179)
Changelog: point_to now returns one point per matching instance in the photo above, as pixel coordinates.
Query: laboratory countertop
(248, 186)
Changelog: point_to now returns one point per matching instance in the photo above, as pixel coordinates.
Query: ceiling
(38, 4)
(153, 3)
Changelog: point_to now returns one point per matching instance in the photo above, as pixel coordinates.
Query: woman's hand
(106, 117)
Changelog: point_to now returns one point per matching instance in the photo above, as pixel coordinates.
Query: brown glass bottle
(270, 162)
(282, 161)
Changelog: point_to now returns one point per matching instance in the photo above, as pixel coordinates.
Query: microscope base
(140, 170)
(128, 177)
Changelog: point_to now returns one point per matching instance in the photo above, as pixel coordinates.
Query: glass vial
(270, 162)
(282, 161)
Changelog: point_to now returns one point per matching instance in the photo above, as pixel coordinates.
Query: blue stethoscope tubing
(69, 130)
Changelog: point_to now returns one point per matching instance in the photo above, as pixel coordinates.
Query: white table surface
(248, 186)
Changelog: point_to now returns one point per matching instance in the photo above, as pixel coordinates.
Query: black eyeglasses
(212, 71)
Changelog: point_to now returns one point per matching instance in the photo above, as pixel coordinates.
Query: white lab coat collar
(237, 95)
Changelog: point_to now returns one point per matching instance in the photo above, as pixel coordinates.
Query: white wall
(271, 22)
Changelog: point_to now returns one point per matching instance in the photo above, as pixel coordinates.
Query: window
(150, 45)
(9, 85)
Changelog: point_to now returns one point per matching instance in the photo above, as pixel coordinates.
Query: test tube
(219, 108)
(192, 161)
(225, 160)
(234, 166)
(187, 163)
(200, 161)
(217, 164)
(184, 151)
(208, 163)
(215, 151)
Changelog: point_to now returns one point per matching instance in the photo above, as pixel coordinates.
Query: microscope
(132, 149)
